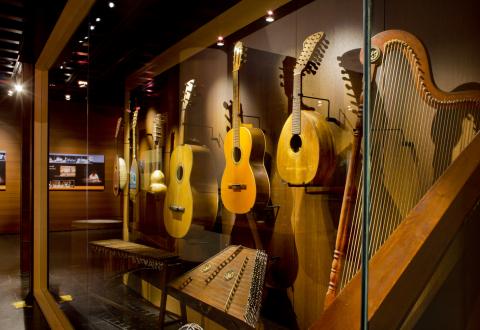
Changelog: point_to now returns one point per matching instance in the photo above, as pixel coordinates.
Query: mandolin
(192, 194)
(306, 150)
(157, 177)
(134, 176)
(245, 182)
(119, 167)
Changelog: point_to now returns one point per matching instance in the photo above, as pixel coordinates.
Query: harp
(417, 131)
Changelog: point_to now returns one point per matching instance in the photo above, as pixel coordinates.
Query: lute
(306, 150)
(245, 182)
(133, 183)
(119, 166)
(192, 194)
(157, 177)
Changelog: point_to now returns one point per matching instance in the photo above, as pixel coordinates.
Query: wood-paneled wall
(75, 130)
(10, 141)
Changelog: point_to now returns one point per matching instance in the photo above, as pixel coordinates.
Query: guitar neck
(297, 91)
(181, 133)
(236, 110)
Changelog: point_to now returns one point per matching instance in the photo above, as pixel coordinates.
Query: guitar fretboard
(297, 90)
(236, 110)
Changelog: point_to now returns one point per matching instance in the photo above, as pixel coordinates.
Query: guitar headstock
(311, 55)
(158, 132)
(119, 123)
(135, 117)
(187, 94)
(239, 55)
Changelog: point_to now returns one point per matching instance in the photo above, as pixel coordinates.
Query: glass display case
(208, 164)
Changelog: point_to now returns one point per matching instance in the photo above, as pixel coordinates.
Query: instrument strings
(415, 137)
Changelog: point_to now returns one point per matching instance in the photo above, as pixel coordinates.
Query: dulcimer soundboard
(229, 284)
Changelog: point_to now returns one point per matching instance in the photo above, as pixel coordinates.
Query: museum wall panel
(10, 142)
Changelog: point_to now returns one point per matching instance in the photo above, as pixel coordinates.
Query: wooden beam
(72, 16)
(232, 20)
(403, 266)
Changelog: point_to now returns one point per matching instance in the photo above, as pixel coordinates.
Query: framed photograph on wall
(3, 166)
(76, 172)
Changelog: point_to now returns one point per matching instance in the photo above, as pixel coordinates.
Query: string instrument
(228, 286)
(192, 194)
(157, 178)
(134, 176)
(245, 182)
(417, 130)
(306, 150)
(119, 166)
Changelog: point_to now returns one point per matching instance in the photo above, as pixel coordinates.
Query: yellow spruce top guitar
(306, 150)
(157, 177)
(192, 194)
(134, 176)
(245, 182)
(119, 167)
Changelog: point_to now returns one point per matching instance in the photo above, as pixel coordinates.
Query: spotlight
(61, 67)
(111, 4)
(82, 83)
(220, 41)
(80, 41)
(269, 17)
(68, 97)
(98, 19)
(10, 92)
(18, 88)
(92, 27)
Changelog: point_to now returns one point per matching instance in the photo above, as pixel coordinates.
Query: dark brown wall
(10, 141)
(75, 130)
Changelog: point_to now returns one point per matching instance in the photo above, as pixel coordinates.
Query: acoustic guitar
(192, 194)
(306, 150)
(245, 182)
(119, 166)
(134, 176)
(157, 177)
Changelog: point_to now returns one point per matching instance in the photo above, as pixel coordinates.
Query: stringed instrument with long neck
(245, 181)
(192, 194)
(134, 175)
(306, 150)
(157, 177)
(119, 167)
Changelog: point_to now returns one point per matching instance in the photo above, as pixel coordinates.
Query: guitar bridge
(176, 208)
(237, 187)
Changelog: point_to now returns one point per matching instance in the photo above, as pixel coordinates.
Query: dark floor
(99, 299)
(14, 288)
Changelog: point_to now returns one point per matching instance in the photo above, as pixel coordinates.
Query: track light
(269, 17)
(111, 4)
(220, 41)
(18, 88)
(68, 97)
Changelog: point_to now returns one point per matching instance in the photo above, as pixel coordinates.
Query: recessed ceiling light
(269, 17)
(18, 88)
(98, 19)
(92, 27)
(68, 97)
(111, 4)
(220, 41)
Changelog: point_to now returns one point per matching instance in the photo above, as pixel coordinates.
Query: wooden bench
(125, 255)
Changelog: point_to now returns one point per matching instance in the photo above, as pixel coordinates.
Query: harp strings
(402, 129)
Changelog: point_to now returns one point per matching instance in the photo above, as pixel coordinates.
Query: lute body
(309, 156)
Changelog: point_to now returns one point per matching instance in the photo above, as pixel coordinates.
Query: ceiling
(12, 25)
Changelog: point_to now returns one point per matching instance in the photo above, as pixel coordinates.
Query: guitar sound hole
(237, 154)
(179, 173)
(296, 142)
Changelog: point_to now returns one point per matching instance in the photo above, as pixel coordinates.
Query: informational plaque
(3, 163)
(76, 172)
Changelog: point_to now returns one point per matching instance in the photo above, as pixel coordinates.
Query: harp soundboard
(229, 284)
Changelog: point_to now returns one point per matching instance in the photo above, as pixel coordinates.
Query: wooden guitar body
(245, 182)
(308, 157)
(192, 195)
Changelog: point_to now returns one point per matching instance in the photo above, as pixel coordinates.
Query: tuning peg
(282, 84)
